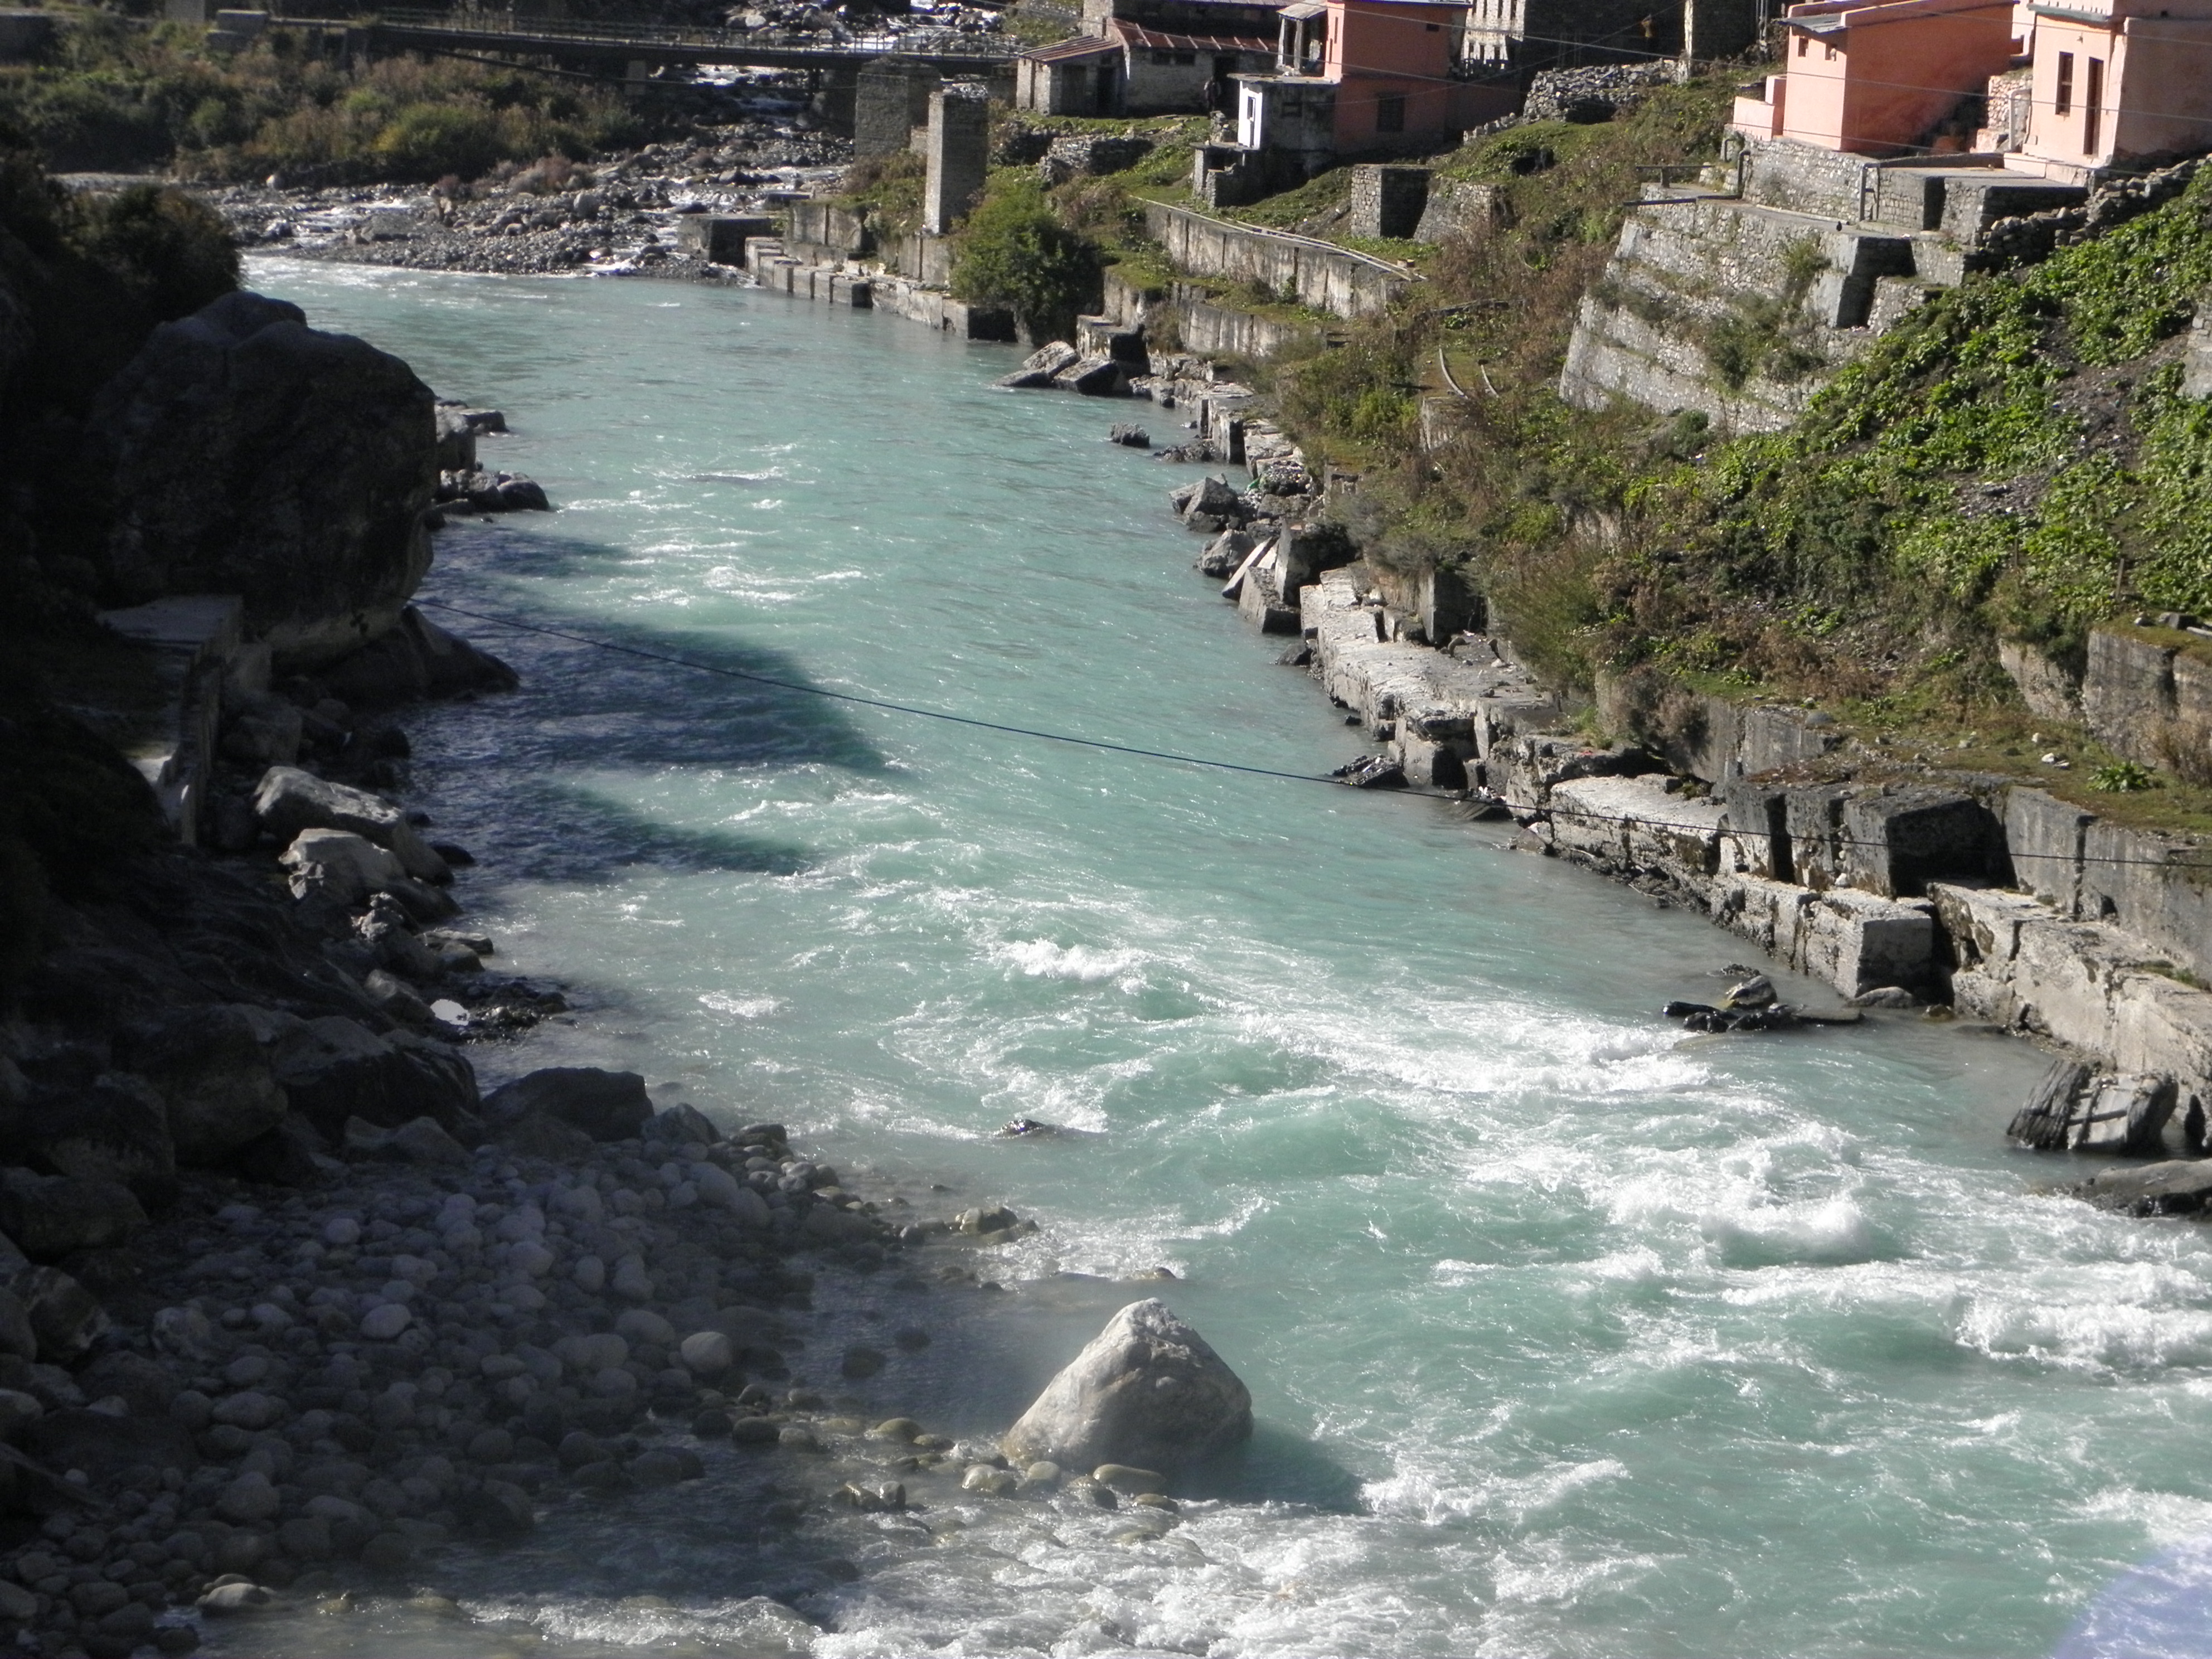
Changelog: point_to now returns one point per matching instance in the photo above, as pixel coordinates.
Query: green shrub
(429, 141)
(170, 251)
(1014, 252)
(2121, 778)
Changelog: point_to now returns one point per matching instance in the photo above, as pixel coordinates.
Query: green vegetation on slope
(1015, 251)
(126, 95)
(2012, 461)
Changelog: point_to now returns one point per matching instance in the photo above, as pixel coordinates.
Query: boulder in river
(2077, 1108)
(417, 659)
(334, 1068)
(1148, 1391)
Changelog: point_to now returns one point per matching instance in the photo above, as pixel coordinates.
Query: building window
(1163, 58)
(1390, 113)
(1185, 57)
(2062, 102)
(1804, 44)
(2093, 97)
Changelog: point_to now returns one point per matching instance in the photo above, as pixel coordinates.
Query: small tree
(1014, 252)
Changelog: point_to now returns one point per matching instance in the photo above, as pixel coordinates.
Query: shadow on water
(1275, 1466)
(543, 773)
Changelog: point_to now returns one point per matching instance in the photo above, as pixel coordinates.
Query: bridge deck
(504, 32)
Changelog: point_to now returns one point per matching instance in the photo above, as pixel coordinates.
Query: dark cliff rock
(249, 453)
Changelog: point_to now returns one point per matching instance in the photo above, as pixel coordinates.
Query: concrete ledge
(197, 639)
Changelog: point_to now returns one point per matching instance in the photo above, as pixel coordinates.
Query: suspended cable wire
(1554, 811)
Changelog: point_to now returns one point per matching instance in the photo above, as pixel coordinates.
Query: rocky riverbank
(1908, 887)
(617, 216)
(289, 1303)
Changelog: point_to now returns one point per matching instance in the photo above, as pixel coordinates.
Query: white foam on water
(2165, 1518)
(741, 1007)
(1041, 958)
(1509, 1500)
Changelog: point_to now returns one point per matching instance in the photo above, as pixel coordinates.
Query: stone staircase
(1739, 296)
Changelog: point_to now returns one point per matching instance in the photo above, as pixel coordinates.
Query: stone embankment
(1975, 897)
(1740, 292)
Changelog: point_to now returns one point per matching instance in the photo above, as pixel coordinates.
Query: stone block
(2050, 689)
(2128, 694)
(1755, 839)
(1388, 201)
(721, 237)
(890, 99)
(1812, 817)
(2152, 886)
(1859, 941)
(1457, 208)
(2043, 842)
(1770, 914)
(1893, 843)
(1634, 826)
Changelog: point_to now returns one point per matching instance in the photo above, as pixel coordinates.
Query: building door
(1221, 91)
(1109, 85)
(2093, 98)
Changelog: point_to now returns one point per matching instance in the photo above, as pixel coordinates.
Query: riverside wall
(1979, 898)
(1317, 274)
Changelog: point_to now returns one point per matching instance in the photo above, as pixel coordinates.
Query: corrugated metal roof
(1061, 51)
(1159, 41)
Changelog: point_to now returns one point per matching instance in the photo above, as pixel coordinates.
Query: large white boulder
(1148, 1391)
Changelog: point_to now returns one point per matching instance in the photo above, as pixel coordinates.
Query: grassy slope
(2013, 462)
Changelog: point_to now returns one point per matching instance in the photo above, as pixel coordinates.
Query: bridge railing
(485, 20)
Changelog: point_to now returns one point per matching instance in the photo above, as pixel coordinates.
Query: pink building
(2106, 83)
(1355, 75)
(2116, 81)
(1879, 80)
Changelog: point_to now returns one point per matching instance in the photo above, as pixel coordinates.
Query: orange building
(2105, 82)
(1355, 75)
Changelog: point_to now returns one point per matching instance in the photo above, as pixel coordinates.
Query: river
(1567, 1332)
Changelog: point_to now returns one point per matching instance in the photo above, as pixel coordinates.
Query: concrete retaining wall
(1328, 278)
(1220, 331)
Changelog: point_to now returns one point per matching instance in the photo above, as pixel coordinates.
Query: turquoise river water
(1568, 1333)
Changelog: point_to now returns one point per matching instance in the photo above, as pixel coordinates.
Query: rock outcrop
(604, 1105)
(1148, 1391)
(246, 453)
(291, 801)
